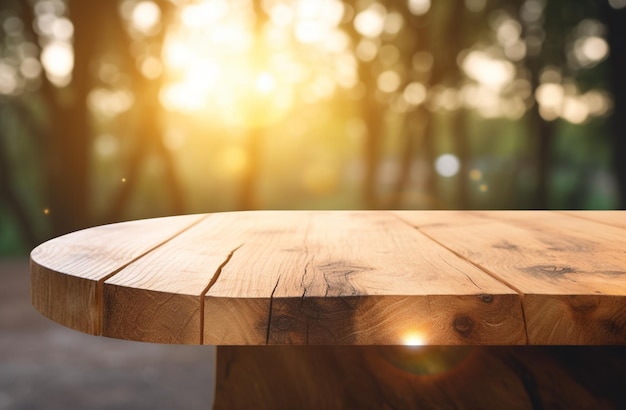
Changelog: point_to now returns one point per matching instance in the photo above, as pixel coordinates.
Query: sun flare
(252, 72)
(413, 339)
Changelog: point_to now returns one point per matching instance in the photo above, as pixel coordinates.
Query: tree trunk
(148, 134)
(8, 193)
(615, 20)
(247, 194)
(69, 142)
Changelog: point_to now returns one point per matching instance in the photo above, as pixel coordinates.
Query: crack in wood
(306, 271)
(214, 279)
(100, 284)
(587, 219)
(477, 265)
(269, 318)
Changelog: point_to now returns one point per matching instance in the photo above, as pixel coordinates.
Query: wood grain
(159, 297)
(67, 272)
(613, 218)
(341, 277)
(570, 271)
(354, 278)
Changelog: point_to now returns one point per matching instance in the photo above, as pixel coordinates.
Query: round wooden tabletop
(342, 277)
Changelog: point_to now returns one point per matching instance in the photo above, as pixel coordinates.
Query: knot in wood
(283, 323)
(486, 298)
(463, 325)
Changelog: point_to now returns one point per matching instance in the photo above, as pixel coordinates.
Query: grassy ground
(46, 366)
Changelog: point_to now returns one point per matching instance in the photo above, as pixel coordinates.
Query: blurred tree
(148, 133)
(616, 21)
(461, 104)
(68, 134)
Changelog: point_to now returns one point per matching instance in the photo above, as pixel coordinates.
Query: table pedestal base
(384, 377)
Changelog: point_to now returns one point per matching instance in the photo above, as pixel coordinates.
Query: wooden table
(368, 280)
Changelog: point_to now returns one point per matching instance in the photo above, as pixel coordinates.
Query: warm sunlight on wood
(413, 339)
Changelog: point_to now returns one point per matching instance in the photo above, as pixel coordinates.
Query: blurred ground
(47, 366)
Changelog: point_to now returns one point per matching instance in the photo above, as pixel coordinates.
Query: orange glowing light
(301, 54)
(46, 211)
(413, 339)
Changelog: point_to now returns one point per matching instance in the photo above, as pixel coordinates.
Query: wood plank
(237, 307)
(571, 272)
(161, 298)
(613, 218)
(158, 298)
(356, 278)
(66, 272)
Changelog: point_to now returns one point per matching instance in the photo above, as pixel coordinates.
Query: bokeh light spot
(145, 16)
(414, 93)
(57, 58)
(475, 175)
(447, 165)
(371, 21)
(265, 83)
(419, 7)
(388, 81)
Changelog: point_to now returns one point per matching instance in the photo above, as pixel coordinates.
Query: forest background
(118, 110)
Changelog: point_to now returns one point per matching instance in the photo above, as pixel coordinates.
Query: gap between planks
(584, 218)
(100, 284)
(477, 265)
(214, 279)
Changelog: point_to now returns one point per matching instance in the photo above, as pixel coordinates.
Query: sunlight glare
(281, 15)
(489, 71)
(419, 7)
(310, 31)
(371, 21)
(145, 16)
(201, 14)
(234, 160)
(181, 97)
(265, 83)
(217, 61)
(57, 59)
(151, 67)
(413, 339)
